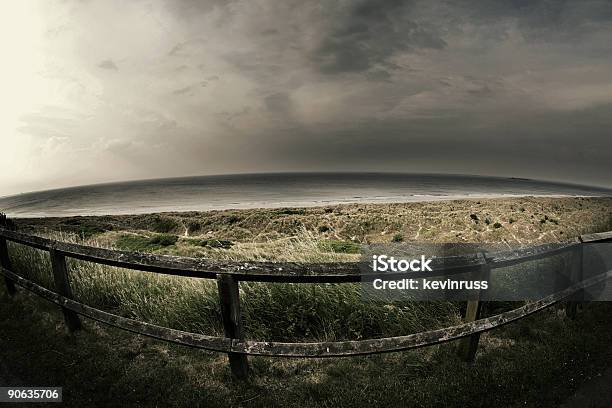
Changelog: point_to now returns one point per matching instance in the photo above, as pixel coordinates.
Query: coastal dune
(335, 232)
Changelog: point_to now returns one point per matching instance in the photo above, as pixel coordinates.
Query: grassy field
(537, 362)
(550, 354)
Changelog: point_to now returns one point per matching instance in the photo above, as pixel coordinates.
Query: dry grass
(513, 220)
(271, 311)
(304, 246)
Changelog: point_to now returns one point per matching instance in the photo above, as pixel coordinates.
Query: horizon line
(136, 180)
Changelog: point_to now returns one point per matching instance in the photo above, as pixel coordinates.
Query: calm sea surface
(274, 190)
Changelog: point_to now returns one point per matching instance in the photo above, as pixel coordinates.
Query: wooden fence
(230, 274)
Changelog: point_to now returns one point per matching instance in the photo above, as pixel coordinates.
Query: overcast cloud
(104, 90)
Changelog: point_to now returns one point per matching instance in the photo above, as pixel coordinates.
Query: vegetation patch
(292, 211)
(84, 227)
(164, 224)
(343, 247)
(193, 226)
(211, 242)
(163, 240)
(233, 219)
(140, 243)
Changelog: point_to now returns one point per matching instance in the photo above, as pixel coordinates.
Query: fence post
(469, 345)
(232, 322)
(576, 274)
(5, 262)
(62, 285)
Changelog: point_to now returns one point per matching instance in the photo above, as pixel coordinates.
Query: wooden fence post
(469, 345)
(577, 276)
(232, 322)
(5, 262)
(62, 285)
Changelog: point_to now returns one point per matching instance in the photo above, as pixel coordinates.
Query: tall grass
(304, 246)
(271, 311)
(334, 312)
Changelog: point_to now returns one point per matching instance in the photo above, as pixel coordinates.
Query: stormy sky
(101, 90)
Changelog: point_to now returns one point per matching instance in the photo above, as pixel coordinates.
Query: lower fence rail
(312, 350)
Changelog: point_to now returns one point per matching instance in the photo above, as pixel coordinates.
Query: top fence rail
(290, 272)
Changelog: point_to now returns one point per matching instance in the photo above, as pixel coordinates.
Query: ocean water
(274, 190)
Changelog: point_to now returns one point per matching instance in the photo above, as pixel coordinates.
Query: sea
(275, 190)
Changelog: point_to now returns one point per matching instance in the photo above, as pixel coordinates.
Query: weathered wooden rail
(229, 275)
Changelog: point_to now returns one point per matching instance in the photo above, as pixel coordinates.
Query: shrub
(84, 227)
(344, 247)
(164, 224)
(194, 225)
(323, 228)
(131, 242)
(232, 219)
(163, 240)
(397, 238)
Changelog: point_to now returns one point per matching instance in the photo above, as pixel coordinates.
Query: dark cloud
(539, 20)
(530, 145)
(369, 32)
(506, 87)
